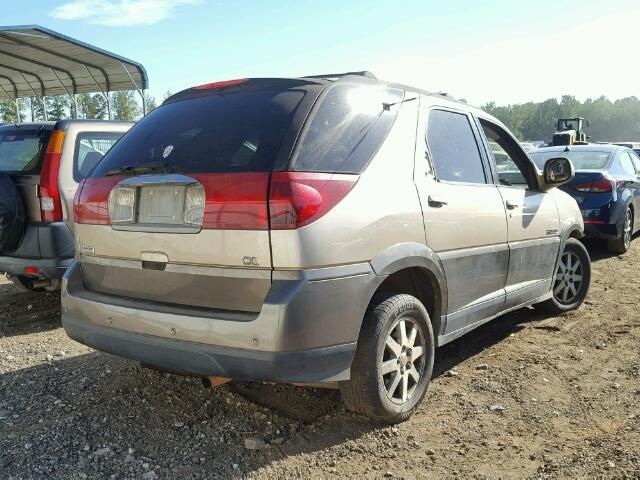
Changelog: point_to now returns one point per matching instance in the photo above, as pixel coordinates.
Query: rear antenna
(567, 149)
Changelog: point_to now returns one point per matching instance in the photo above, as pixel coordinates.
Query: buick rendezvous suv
(324, 229)
(41, 165)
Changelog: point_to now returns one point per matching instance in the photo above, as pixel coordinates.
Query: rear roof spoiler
(363, 73)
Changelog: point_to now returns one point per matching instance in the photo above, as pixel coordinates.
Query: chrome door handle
(511, 205)
(436, 201)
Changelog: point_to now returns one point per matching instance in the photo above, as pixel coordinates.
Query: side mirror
(557, 171)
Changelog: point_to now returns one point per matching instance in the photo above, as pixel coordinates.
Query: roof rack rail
(363, 73)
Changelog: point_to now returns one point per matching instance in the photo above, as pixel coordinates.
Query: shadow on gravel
(484, 337)
(22, 313)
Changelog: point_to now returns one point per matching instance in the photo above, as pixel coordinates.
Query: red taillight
(235, 201)
(238, 201)
(597, 186)
(223, 84)
(91, 203)
(297, 199)
(50, 201)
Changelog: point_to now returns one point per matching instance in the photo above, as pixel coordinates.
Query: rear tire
(393, 362)
(621, 244)
(571, 279)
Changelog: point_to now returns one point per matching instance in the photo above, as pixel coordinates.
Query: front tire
(393, 362)
(571, 280)
(621, 244)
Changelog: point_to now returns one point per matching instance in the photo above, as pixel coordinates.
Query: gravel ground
(525, 396)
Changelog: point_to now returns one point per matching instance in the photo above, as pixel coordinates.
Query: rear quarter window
(346, 128)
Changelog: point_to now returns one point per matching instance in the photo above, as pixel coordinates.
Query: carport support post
(74, 107)
(138, 89)
(43, 100)
(108, 98)
(17, 110)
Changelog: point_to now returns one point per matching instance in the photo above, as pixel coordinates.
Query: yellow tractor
(570, 132)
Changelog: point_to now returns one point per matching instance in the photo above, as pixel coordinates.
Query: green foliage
(610, 121)
(150, 102)
(92, 106)
(124, 105)
(57, 107)
(8, 111)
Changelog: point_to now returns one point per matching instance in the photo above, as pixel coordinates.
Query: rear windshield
(582, 160)
(21, 150)
(347, 128)
(229, 132)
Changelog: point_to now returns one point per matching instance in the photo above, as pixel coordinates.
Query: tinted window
(347, 128)
(21, 150)
(582, 160)
(627, 164)
(453, 148)
(90, 148)
(229, 132)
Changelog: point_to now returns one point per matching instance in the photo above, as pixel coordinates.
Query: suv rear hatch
(177, 211)
(22, 151)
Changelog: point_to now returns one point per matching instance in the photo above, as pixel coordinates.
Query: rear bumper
(305, 366)
(602, 230)
(306, 330)
(46, 246)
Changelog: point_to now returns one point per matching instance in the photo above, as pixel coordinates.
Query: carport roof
(36, 61)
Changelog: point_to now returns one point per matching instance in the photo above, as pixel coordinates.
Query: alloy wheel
(628, 223)
(568, 278)
(403, 361)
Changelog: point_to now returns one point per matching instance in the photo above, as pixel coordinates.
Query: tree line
(125, 105)
(617, 120)
(610, 121)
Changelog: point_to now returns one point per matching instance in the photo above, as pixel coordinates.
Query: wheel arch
(415, 269)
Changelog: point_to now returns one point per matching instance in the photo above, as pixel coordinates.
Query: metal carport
(38, 62)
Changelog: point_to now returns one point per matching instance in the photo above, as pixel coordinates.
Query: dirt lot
(524, 396)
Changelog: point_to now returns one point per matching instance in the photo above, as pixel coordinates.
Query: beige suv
(324, 229)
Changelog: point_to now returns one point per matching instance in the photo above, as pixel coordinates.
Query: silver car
(328, 229)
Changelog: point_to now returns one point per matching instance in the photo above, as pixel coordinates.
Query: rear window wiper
(134, 169)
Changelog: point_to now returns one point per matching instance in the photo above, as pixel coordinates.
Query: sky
(494, 50)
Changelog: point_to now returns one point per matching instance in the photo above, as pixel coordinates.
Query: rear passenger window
(627, 164)
(347, 128)
(90, 148)
(453, 148)
(635, 160)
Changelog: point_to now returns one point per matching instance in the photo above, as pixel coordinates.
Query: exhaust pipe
(39, 283)
(212, 382)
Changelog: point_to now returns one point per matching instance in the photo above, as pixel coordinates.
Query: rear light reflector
(597, 186)
(31, 271)
(591, 221)
(297, 199)
(50, 201)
